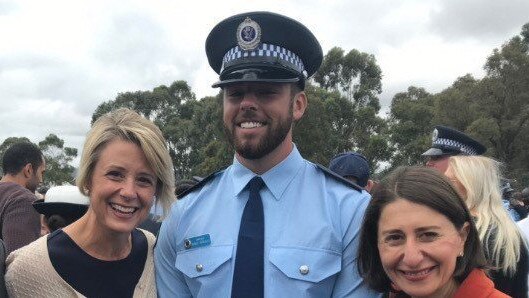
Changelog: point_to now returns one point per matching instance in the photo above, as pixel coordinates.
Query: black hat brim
(255, 73)
(235, 81)
(440, 152)
(63, 209)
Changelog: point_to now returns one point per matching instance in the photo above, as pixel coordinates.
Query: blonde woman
(124, 168)
(477, 179)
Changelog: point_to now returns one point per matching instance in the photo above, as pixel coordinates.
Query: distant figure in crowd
(41, 193)
(61, 206)
(447, 142)
(272, 224)
(477, 179)
(525, 194)
(23, 165)
(418, 239)
(353, 167)
(507, 198)
(520, 203)
(125, 166)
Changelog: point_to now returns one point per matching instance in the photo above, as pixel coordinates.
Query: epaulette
(339, 178)
(199, 185)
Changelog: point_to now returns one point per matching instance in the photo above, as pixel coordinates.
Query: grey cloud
(479, 19)
(368, 25)
(37, 118)
(7, 7)
(132, 41)
(135, 48)
(46, 77)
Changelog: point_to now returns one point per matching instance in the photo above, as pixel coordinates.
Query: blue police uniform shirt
(512, 213)
(312, 224)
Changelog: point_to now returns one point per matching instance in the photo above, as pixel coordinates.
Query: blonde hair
(501, 240)
(125, 124)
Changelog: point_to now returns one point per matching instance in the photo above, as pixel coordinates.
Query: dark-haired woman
(418, 239)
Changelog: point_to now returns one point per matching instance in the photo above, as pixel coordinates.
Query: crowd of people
(272, 224)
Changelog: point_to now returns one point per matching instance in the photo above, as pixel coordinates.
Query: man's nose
(249, 101)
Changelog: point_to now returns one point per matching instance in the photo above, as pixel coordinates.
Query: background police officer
(447, 142)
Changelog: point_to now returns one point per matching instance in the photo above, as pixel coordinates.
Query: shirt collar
(276, 179)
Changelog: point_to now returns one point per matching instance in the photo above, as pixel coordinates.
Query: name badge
(198, 241)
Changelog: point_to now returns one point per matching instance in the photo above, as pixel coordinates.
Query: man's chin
(250, 153)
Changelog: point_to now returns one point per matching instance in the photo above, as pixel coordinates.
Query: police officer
(352, 166)
(272, 224)
(447, 142)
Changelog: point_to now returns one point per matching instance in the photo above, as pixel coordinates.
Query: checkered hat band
(455, 144)
(264, 50)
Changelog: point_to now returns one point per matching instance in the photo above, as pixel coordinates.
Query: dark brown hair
(423, 186)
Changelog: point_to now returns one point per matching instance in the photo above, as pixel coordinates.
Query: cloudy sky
(59, 59)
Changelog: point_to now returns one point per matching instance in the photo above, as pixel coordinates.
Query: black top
(93, 277)
(514, 286)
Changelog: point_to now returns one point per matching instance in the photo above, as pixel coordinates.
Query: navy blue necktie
(248, 278)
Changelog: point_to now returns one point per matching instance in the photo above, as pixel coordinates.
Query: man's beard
(32, 184)
(270, 141)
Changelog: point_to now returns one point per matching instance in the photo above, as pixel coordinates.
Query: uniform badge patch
(198, 241)
(248, 34)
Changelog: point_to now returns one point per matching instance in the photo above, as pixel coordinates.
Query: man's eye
(234, 93)
(266, 92)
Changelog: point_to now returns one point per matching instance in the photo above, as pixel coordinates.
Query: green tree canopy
(494, 110)
(410, 123)
(58, 159)
(353, 82)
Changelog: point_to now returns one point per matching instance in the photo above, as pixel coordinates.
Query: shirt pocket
(306, 264)
(202, 261)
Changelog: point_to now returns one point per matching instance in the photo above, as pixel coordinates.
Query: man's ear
(369, 185)
(299, 105)
(27, 170)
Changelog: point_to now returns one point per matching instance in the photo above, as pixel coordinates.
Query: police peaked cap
(351, 164)
(449, 141)
(262, 47)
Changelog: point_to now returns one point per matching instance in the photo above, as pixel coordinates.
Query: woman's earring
(461, 254)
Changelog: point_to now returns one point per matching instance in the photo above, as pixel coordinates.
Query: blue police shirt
(512, 213)
(312, 226)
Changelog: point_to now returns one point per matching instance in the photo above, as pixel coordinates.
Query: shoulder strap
(339, 178)
(200, 184)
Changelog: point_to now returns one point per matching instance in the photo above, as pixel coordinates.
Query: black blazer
(514, 286)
